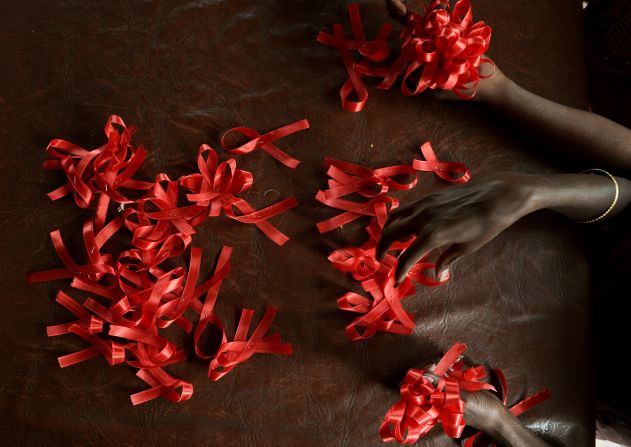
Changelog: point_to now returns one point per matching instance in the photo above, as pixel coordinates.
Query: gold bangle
(615, 197)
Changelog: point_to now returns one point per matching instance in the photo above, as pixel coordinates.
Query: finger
(397, 10)
(393, 231)
(448, 257)
(412, 255)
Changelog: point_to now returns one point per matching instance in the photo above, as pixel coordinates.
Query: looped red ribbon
(441, 49)
(265, 141)
(348, 178)
(231, 353)
(105, 169)
(142, 296)
(426, 402)
(215, 189)
(371, 51)
(449, 171)
(162, 385)
(432, 397)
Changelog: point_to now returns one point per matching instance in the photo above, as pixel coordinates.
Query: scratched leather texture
(185, 71)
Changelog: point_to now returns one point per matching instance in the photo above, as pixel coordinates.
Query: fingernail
(444, 275)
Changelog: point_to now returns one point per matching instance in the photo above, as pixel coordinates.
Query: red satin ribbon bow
(348, 178)
(441, 49)
(432, 397)
(265, 141)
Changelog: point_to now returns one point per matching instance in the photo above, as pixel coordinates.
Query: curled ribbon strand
(142, 296)
(265, 141)
(441, 49)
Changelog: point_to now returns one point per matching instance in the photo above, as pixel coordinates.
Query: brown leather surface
(185, 71)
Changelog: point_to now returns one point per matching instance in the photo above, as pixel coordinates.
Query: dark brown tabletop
(185, 71)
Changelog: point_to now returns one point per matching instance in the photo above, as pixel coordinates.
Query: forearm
(511, 433)
(577, 133)
(578, 196)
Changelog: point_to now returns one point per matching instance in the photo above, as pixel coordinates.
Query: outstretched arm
(595, 139)
(463, 218)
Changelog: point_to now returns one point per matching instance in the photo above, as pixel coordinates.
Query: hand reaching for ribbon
(460, 219)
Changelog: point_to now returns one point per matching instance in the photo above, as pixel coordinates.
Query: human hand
(460, 218)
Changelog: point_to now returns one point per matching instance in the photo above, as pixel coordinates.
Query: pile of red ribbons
(383, 311)
(442, 49)
(133, 297)
(432, 397)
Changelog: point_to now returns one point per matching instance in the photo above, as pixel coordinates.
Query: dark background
(185, 71)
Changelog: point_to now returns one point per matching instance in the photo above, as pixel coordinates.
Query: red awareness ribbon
(231, 353)
(425, 402)
(162, 385)
(216, 186)
(432, 397)
(265, 141)
(371, 51)
(348, 178)
(449, 171)
(105, 169)
(143, 297)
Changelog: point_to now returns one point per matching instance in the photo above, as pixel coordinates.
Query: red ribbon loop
(440, 49)
(216, 186)
(265, 141)
(371, 51)
(451, 172)
(427, 401)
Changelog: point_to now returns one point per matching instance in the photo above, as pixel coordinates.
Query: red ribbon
(105, 169)
(441, 49)
(451, 172)
(425, 403)
(265, 141)
(371, 51)
(215, 189)
(142, 297)
(348, 178)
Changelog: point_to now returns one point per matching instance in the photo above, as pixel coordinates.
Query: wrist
(493, 90)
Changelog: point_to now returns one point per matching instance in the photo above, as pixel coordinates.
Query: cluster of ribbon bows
(383, 311)
(432, 397)
(141, 296)
(442, 49)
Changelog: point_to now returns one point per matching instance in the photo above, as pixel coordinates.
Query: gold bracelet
(615, 197)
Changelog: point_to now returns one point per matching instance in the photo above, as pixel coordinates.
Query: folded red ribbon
(432, 397)
(265, 141)
(441, 49)
(371, 51)
(142, 297)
